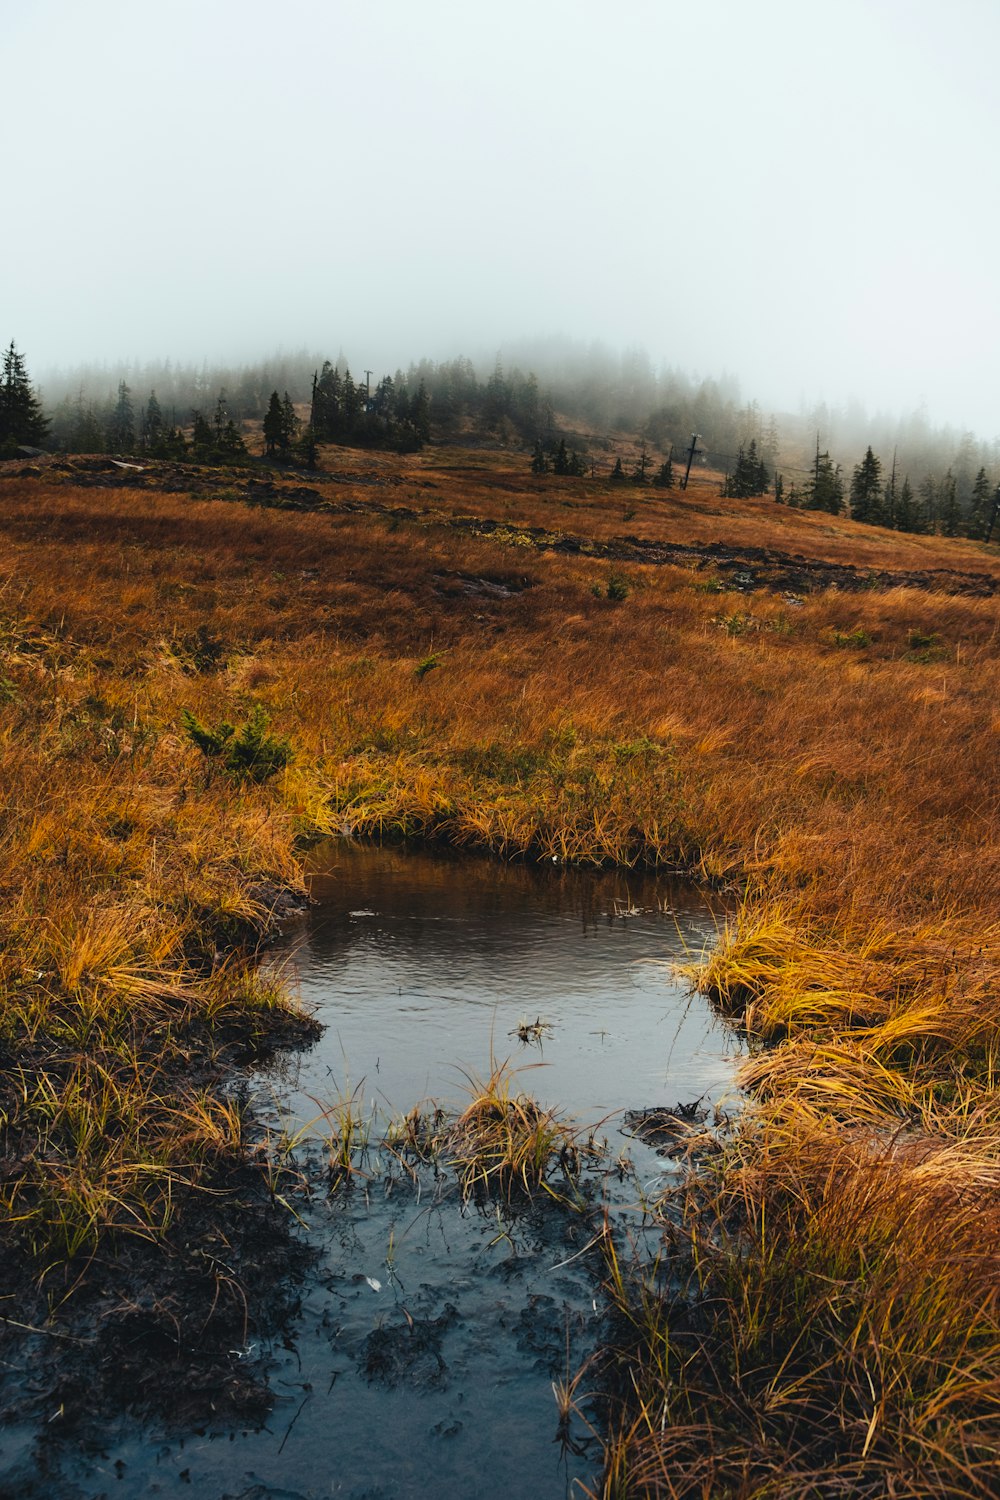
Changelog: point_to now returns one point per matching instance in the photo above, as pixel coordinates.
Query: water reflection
(422, 967)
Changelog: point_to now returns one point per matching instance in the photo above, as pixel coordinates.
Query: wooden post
(691, 453)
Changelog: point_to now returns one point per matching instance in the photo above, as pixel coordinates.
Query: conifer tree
(22, 421)
(909, 512)
(866, 490)
(951, 514)
(272, 425)
(152, 423)
(539, 463)
(890, 502)
(420, 414)
(749, 477)
(825, 490)
(121, 424)
(979, 507)
(664, 476)
(202, 437)
(289, 424)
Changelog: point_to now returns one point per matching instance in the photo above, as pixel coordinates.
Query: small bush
(852, 639)
(249, 753)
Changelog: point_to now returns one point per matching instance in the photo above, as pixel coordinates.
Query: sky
(804, 196)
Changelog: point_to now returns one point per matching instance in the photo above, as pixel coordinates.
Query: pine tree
(272, 425)
(560, 464)
(618, 473)
(909, 512)
(121, 424)
(890, 504)
(779, 489)
(539, 463)
(825, 490)
(352, 403)
(289, 424)
(152, 423)
(420, 414)
(664, 476)
(749, 477)
(951, 515)
(979, 507)
(866, 490)
(22, 421)
(202, 436)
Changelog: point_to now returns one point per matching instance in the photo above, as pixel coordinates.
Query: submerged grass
(825, 1322)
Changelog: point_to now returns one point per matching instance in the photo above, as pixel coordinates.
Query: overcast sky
(804, 195)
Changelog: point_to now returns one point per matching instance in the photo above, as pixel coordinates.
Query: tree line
(942, 485)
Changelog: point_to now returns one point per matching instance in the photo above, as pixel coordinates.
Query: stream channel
(432, 1330)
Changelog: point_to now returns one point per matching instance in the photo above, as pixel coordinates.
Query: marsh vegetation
(828, 1324)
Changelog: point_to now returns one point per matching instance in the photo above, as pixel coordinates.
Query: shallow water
(422, 967)
(431, 1332)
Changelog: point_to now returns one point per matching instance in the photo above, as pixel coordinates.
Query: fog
(803, 197)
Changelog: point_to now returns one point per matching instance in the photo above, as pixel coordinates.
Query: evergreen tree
(78, 427)
(272, 425)
(121, 424)
(779, 489)
(749, 477)
(289, 424)
(979, 507)
(890, 503)
(351, 401)
(618, 473)
(152, 423)
(930, 494)
(951, 515)
(663, 479)
(909, 512)
(420, 414)
(560, 464)
(866, 490)
(202, 436)
(825, 490)
(539, 463)
(221, 418)
(22, 421)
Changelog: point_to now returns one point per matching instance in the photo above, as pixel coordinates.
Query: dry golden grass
(834, 756)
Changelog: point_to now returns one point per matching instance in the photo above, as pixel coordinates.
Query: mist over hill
(597, 397)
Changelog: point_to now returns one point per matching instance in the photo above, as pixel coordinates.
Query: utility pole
(691, 453)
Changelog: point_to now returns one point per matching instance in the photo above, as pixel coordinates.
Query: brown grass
(833, 757)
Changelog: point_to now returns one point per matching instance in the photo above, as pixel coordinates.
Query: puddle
(431, 1333)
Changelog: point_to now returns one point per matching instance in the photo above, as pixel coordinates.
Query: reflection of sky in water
(419, 965)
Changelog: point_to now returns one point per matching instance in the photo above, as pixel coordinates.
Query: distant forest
(570, 408)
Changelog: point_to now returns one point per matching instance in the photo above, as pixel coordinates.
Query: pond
(433, 1330)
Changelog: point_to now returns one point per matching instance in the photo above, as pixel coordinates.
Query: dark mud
(740, 568)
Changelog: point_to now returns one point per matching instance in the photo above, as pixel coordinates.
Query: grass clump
(831, 1323)
(504, 1144)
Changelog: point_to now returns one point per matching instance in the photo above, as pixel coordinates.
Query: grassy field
(830, 1324)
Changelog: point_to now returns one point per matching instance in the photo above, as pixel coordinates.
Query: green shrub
(248, 752)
